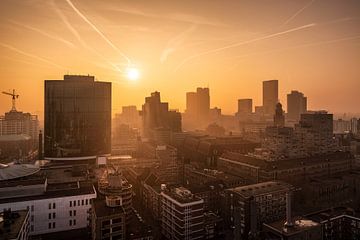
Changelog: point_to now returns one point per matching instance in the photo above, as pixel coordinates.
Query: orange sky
(230, 46)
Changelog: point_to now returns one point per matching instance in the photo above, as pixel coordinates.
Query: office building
(182, 214)
(57, 199)
(270, 96)
(248, 207)
(14, 225)
(77, 118)
(156, 116)
(198, 103)
(296, 105)
(279, 117)
(245, 106)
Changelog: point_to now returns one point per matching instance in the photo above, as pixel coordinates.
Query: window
(54, 215)
(116, 220)
(49, 215)
(54, 205)
(53, 225)
(79, 202)
(49, 205)
(32, 218)
(74, 213)
(74, 222)
(87, 201)
(82, 202)
(49, 225)
(70, 203)
(70, 213)
(116, 229)
(74, 203)
(70, 222)
(32, 208)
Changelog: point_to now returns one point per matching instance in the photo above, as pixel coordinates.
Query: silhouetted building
(157, 117)
(270, 96)
(296, 105)
(77, 117)
(245, 106)
(279, 118)
(198, 103)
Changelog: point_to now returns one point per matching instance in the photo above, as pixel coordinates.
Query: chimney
(289, 222)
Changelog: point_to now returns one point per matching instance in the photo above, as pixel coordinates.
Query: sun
(132, 73)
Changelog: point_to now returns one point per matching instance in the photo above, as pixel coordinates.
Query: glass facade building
(77, 117)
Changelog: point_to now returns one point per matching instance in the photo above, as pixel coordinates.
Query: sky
(230, 46)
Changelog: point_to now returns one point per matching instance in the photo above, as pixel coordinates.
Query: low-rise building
(14, 225)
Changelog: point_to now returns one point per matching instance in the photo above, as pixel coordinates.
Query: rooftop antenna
(14, 97)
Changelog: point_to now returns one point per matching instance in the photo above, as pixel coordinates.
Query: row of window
(52, 225)
(79, 203)
(52, 216)
(72, 222)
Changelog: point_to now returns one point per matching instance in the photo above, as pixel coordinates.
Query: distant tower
(279, 118)
(296, 105)
(270, 95)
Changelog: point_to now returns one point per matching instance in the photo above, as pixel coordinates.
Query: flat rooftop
(327, 214)
(261, 188)
(300, 224)
(284, 164)
(17, 221)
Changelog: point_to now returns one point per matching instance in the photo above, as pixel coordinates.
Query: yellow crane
(14, 97)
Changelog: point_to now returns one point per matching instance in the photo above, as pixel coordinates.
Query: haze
(230, 46)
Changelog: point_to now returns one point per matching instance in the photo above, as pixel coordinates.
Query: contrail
(68, 43)
(175, 43)
(67, 24)
(298, 46)
(30, 55)
(243, 43)
(97, 30)
(298, 12)
(77, 35)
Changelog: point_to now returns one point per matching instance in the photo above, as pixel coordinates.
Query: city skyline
(176, 51)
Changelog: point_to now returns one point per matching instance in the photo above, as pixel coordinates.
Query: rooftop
(285, 164)
(327, 214)
(17, 221)
(13, 171)
(300, 224)
(261, 188)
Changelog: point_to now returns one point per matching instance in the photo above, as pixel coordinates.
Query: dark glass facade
(77, 117)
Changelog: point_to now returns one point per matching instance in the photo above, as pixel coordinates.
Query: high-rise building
(198, 103)
(156, 116)
(296, 105)
(77, 117)
(182, 214)
(315, 132)
(245, 106)
(248, 207)
(270, 96)
(279, 118)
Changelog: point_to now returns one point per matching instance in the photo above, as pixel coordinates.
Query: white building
(53, 206)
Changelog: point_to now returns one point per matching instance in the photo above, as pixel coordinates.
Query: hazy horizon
(309, 46)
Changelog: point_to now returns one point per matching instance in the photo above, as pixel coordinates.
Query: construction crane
(14, 97)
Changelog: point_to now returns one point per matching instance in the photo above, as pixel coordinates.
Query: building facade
(77, 117)
(296, 105)
(270, 96)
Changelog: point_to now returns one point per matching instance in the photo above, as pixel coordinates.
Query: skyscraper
(156, 115)
(296, 105)
(279, 118)
(245, 106)
(77, 117)
(198, 103)
(270, 96)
